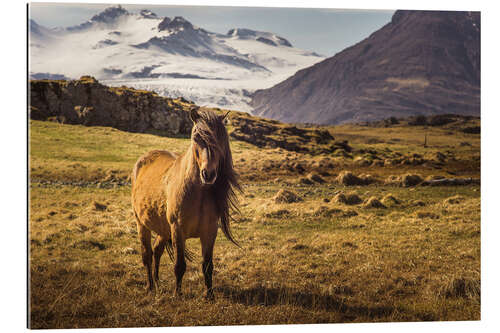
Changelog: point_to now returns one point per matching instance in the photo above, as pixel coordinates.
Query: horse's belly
(158, 224)
(193, 231)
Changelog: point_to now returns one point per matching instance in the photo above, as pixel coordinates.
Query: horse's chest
(194, 212)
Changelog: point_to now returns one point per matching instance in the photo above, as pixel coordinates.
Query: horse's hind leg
(158, 249)
(147, 253)
(207, 248)
(178, 243)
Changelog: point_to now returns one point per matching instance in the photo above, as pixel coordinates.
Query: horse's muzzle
(208, 178)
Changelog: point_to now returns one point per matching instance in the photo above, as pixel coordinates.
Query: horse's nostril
(204, 174)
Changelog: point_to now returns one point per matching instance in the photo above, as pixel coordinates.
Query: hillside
(421, 63)
(88, 102)
(371, 251)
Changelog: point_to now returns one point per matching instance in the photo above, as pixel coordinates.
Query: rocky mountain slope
(171, 56)
(421, 63)
(88, 102)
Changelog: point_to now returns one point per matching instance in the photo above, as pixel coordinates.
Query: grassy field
(416, 258)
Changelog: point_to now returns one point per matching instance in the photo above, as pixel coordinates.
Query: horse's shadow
(282, 296)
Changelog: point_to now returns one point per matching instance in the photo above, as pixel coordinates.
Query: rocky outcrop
(88, 102)
(272, 134)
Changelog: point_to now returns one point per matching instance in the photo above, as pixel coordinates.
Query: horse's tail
(187, 253)
(226, 229)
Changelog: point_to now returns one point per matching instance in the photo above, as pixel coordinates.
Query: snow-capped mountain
(168, 55)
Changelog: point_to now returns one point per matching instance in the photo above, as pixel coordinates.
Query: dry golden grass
(312, 261)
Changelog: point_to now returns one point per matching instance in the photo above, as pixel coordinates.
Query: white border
(13, 240)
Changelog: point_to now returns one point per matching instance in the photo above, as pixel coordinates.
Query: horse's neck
(190, 174)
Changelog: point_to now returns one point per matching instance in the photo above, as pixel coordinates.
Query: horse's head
(207, 138)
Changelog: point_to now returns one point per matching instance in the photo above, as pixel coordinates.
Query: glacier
(170, 56)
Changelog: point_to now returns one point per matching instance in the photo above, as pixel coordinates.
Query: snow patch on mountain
(170, 56)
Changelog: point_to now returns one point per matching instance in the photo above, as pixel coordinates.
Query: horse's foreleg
(207, 247)
(147, 253)
(178, 243)
(158, 249)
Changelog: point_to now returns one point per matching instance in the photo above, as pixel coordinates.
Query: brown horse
(185, 197)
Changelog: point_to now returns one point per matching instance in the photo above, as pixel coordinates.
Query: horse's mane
(211, 130)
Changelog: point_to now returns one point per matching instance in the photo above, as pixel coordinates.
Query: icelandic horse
(186, 196)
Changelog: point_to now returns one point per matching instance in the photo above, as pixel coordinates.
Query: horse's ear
(193, 114)
(224, 116)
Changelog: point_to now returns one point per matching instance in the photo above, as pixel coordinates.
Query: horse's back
(148, 193)
(155, 161)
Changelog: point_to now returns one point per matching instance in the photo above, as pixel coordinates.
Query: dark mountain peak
(146, 13)
(423, 16)
(180, 22)
(399, 16)
(164, 24)
(110, 14)
(263, 37)
(39, 31)
(108, 17)
(177, 24)
(422, 62)
(34, 27)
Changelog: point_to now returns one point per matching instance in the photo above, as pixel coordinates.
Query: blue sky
(326, 31)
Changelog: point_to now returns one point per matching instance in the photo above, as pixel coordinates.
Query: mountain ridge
(422, 62)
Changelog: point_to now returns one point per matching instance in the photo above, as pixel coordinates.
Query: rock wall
(90, 103)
